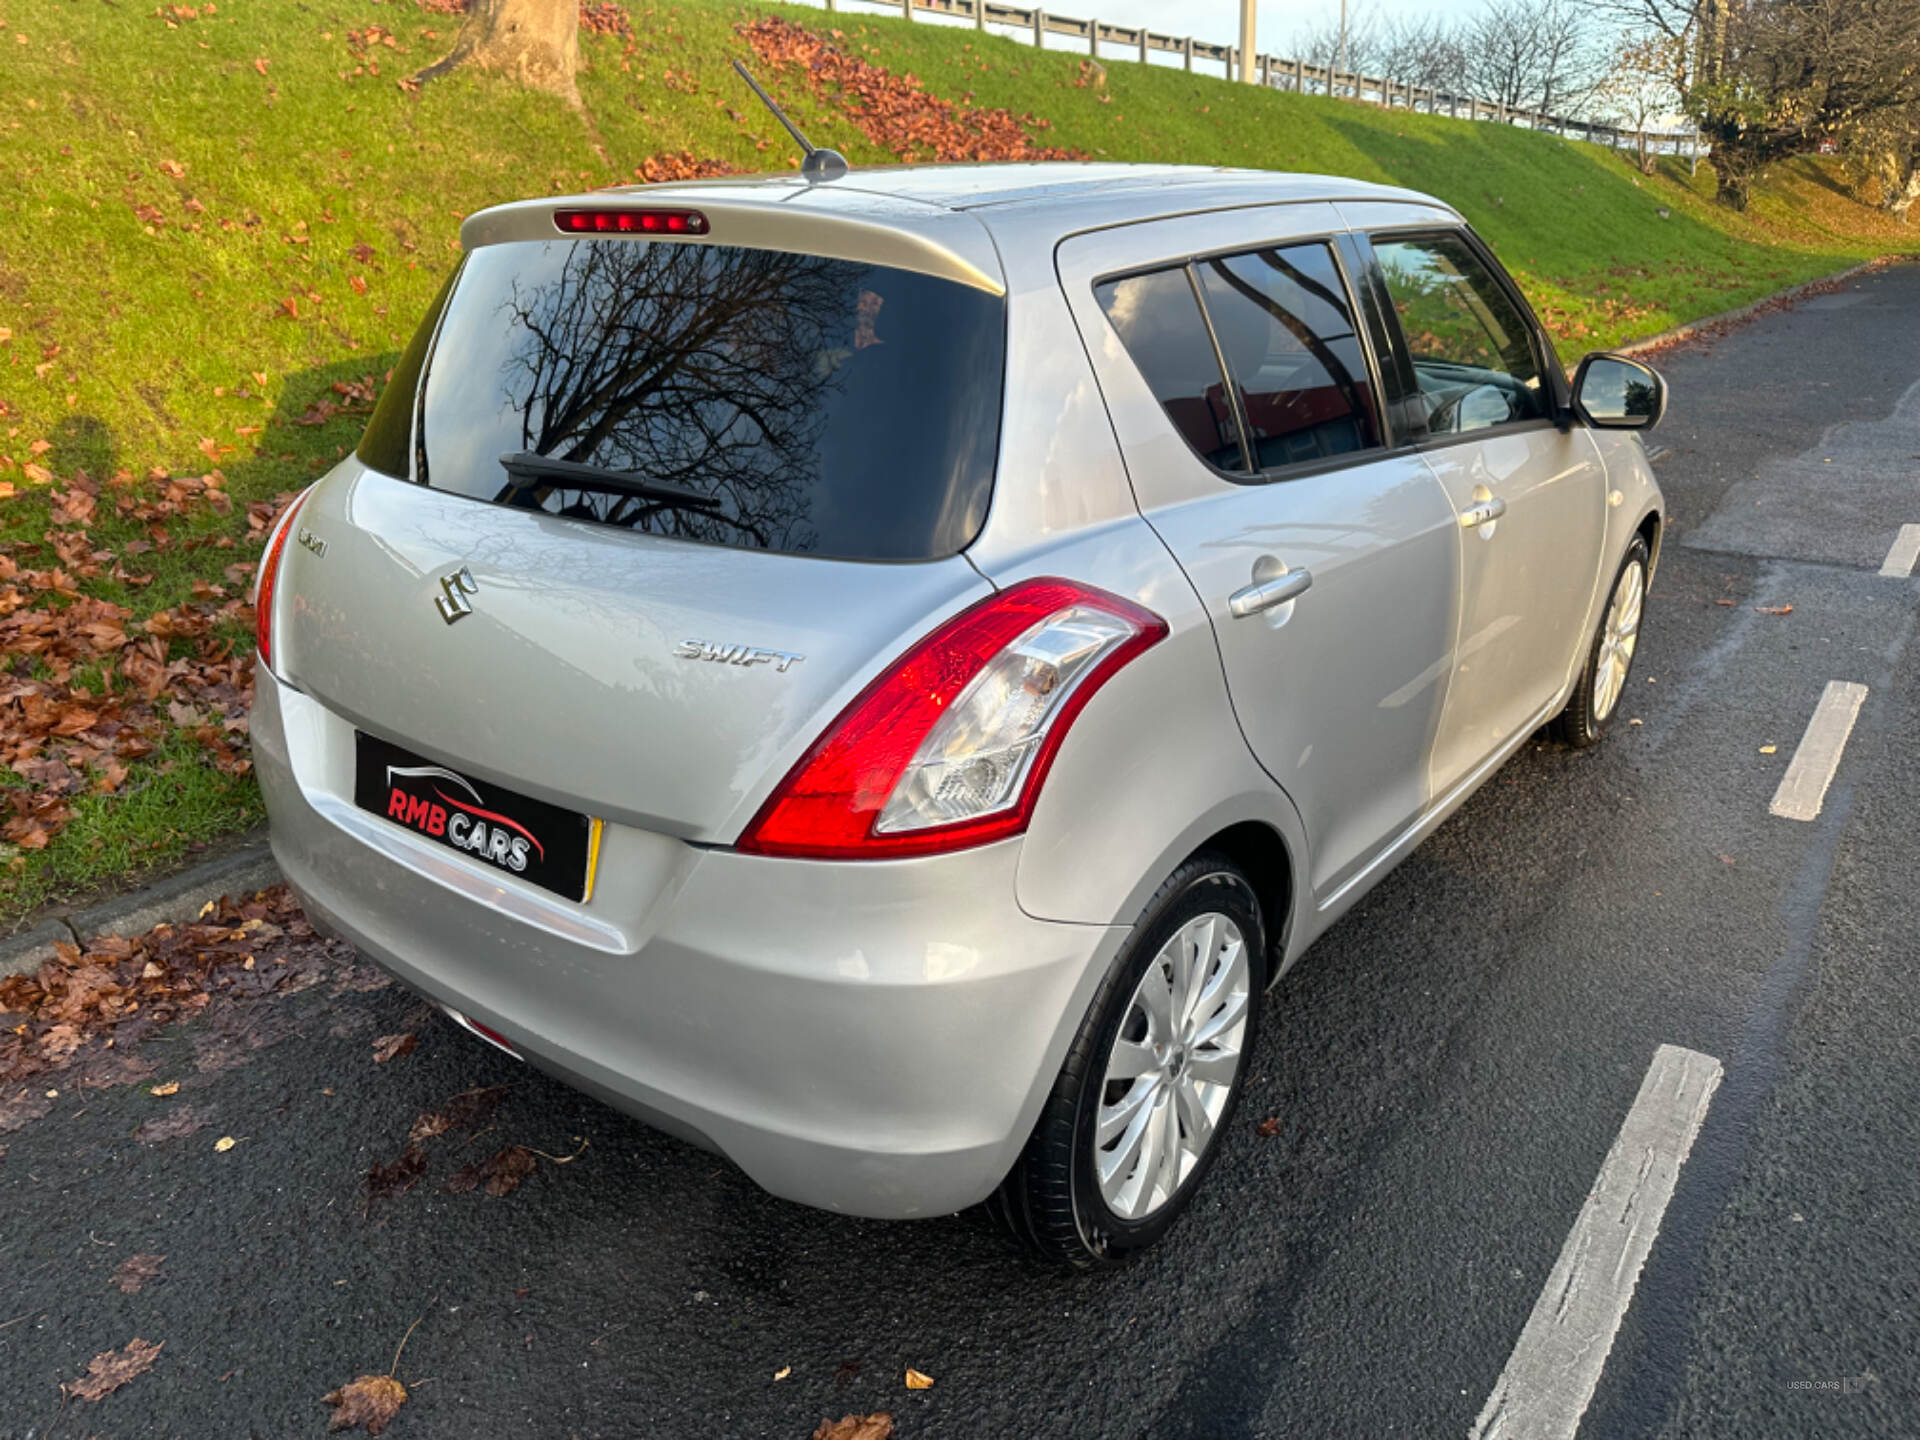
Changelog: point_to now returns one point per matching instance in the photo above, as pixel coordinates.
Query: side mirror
(1611, 392)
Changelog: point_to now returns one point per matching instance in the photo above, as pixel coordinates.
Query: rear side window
(754, 399)
(1472, 358)
(390, 427)
(1160, 322)
(1287, 333)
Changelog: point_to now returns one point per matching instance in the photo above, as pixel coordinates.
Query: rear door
(1249, 414)
(785, 454)
(1529, 497)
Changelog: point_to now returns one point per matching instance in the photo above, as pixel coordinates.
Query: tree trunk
(534, 43)
(1731, 181)
(1900, 188)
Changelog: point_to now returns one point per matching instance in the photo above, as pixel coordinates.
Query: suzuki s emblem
(451, 602)
(312, 541)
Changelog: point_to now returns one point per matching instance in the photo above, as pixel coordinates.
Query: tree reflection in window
(825, 405)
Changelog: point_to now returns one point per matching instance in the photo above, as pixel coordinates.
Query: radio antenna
(816, 164)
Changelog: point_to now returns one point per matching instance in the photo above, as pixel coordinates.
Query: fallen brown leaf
(918, 1380)
(1774, 609)
(135, 1271)
(370, 1401)
(172, 1087)
(894, 111)
(111, 1369)
(393, 1047)
(1268, 1128)
(386, 1181)
(501, 1173)
(469, 1110)
(20, 1108)
(877, 1426)
(173, 1125)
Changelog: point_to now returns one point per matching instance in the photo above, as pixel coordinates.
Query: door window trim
(1389, 440)
(1553, 378)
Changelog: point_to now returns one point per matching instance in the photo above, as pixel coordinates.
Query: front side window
(754, 399)
(1286, 331)
(1472, 358)
(1160, 322)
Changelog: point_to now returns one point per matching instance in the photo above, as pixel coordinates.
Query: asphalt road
(1449, 1068)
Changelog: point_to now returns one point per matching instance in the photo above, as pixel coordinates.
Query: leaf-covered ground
(227, 216)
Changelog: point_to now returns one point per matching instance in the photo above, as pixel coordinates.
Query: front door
(1326, 561)
(1529, 498)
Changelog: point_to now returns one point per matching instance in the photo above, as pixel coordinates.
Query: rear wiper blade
(525, 465)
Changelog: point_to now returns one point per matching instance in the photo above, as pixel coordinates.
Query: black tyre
(1603, 682)
(1152, 1079)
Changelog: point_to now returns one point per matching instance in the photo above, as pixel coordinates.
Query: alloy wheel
(1173, 1066)
(1618, 637)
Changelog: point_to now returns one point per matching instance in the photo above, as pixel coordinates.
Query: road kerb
(176, 898)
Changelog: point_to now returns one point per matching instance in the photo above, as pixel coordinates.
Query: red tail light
(630, 222)
(950, 746)
(270, 572)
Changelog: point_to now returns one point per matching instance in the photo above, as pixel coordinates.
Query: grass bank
(228, 215)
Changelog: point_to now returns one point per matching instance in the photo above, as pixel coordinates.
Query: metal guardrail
(1278, 73)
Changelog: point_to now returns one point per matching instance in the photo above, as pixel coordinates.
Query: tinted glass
(817, 406)
(1472, 358)
(1160, 323)
(390, 427)
(1286, 328)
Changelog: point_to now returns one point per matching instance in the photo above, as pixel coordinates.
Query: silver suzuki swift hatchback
(877, 677)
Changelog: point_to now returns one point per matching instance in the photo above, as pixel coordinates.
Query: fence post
(1093, 38)
(1145, 35)
(1266, 72)
(979, 14)
(906, 8)
(1040, 29)
(1188, 44)
(1299, 77)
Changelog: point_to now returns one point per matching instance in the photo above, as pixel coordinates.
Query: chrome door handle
(1254, 599)
(1484, 513)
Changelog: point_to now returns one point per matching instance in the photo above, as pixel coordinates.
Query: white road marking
(1906, 550)
(1551, 1375)
(1804, 787)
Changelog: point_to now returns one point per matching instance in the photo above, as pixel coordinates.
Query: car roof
(940, 218)
(1079, 185)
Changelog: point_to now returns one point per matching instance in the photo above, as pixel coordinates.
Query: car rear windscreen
(755, 399)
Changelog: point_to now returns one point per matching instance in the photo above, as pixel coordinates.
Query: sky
(1280, 20)
(1219, 20)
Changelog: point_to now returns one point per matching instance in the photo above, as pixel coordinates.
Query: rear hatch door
(788, 453)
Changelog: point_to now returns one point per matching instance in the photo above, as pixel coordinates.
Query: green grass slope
(226, 217)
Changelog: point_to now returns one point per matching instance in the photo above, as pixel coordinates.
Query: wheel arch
(1263, 855)
(1652, 528)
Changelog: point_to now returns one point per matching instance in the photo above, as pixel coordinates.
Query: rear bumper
(871, 1038)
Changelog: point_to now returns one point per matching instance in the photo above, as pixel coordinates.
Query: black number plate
(530, 839)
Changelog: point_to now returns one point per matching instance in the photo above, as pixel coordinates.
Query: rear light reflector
(270, 573)
(950, 746)
(630, 222)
